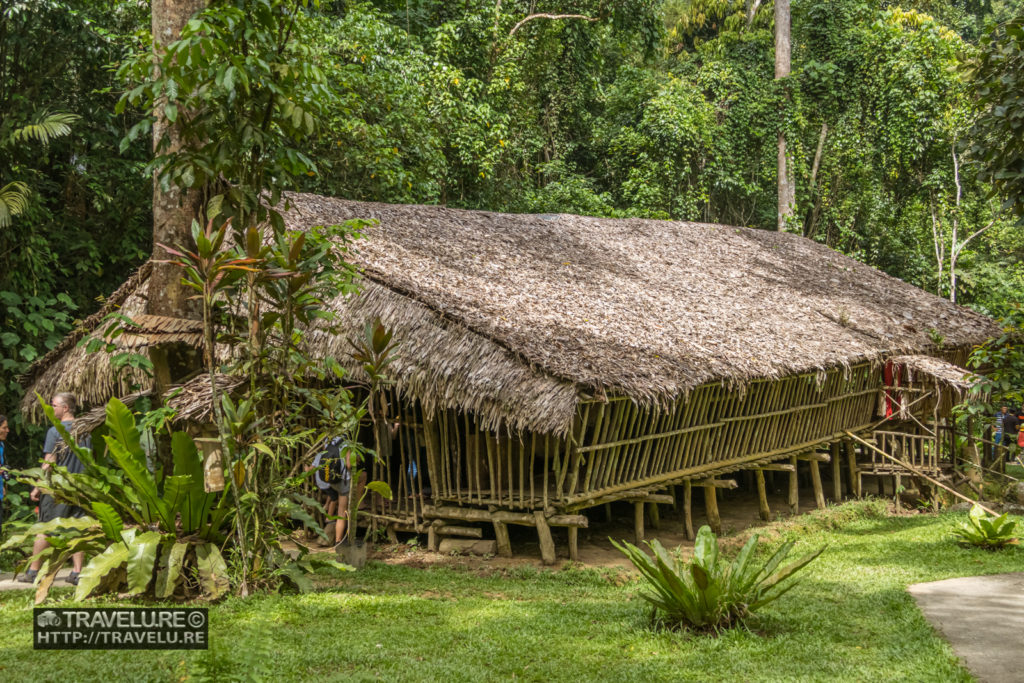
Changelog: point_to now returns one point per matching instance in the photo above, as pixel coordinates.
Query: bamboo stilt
(794, 489)
(654, 515)
(547, 544)
(574, 551)
(638, 522)
(688, 509)
(819, 495)
(851, 461)
(607, 512)
(501, 534)
(762, 497)
(837, 481)
(711, 508)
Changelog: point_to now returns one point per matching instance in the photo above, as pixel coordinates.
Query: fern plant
(982, 530)
(709, 593)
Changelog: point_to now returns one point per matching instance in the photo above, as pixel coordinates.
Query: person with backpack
(334, 478)
(56, 452)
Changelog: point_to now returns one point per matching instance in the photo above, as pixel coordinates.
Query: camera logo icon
(48, 618)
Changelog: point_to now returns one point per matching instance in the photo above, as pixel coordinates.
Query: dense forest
(649, 108)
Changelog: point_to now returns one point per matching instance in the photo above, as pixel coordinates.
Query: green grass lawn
(850, 618)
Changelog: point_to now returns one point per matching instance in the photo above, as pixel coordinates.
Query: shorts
(50, 509)
(335, 491)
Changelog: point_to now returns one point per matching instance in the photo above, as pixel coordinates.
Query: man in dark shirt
(56, 452)
(1011, 425)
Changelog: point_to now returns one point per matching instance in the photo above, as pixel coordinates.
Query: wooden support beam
(432, 538)
(776, 467)
(574, 550)
(819, 495)
(814, 456)
(464, 531)
(762, 497)
(711, 508)
(851, 462)
(392, 536)
(547, 544)
(607, 512)
(501, 534)
(688, 509)
(897, 485)
(720, 483)
(794, 489)
(654, 515)
(837, 480)
(651, 498)
(638, 523)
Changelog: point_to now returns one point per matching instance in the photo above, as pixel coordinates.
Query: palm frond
(13, 201)
(45, 128)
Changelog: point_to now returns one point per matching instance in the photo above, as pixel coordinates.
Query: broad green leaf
(97, 569)
(171, 559)
(109, 520)
(213, 572)
(141, 559)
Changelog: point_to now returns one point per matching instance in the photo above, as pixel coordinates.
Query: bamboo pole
(501, 534)
(923, 475)
(819, 495)
(654, 515)
(547, 544)
(638, 522)
(837, 480)
(762, 497)
(851, 461)
(688, 509)
(794, 489)
(574, 550)
(711, 508)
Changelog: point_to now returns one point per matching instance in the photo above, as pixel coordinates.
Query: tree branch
(548, 16)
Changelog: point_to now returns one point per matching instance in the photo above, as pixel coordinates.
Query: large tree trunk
(173, 212)
(787, 191)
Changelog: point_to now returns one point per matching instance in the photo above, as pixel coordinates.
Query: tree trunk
(787, 191)
(173, 212)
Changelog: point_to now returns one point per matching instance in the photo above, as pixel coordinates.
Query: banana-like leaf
(171, 560)
(141, 559)
(112, 559)
(121, 427)
(705, 548)
(187, 461)
(110, 521)
(213, 572)
(154, 508)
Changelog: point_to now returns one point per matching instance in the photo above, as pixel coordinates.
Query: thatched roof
(515, 316)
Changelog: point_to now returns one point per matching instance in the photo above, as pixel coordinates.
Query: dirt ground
(738, 510)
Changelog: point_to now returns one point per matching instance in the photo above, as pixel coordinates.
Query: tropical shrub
(983, 530)
(146, 532)
(709, 593)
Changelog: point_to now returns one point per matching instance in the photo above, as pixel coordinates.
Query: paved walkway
(982, 617)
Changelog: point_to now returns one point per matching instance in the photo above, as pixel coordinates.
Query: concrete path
(982, 617)
(7, 582)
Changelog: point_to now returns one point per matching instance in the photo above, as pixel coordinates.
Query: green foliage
(998, 135)
(709, 593)
(135, 514)
(982, 530)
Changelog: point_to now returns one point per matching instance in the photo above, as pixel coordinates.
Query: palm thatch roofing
(519, 317)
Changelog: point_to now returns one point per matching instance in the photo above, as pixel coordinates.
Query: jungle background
(647, 108)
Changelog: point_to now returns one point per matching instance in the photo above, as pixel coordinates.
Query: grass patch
(850, 617)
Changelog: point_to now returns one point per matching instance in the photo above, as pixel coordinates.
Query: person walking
(4, 475)
(56, 452)
(997, 430)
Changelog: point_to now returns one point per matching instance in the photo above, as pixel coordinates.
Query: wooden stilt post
(432, 538)
(794, 489)
(547, 544)
(881, 486)
(837, 479)
(501, 534)
(819, 494)
(574, 550)
(897, 485)
(762, 497)
(711, 508)
(688, 509)
(654, 515)
(607, 512)
(638, 522)
(851, 461)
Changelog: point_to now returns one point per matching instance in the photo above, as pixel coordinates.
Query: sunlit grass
(850, 618)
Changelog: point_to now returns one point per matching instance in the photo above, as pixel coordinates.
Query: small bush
(985, 531)
(709, 593)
